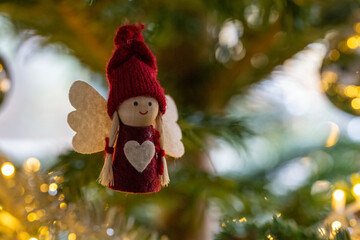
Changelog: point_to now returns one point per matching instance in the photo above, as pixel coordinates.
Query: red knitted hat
(132, 70)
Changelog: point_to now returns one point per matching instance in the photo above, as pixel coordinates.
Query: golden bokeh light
(44, 232)
(357, 27)
(1, 67)
(333, 135)
(334, 55)
(352, 42)
(7, 169)
(44, 187)
(72, 236)
(32, 164)
(329, 77)
(351, 91)
(53, 187)
(342, 46)
(31, 217)
(355, 103)
(63, 206)
(9, 221)
(61, 197)
(40, 213)
(23, 236)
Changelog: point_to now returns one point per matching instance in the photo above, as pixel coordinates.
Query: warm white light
(7, 169)
(32, 165)
(53, 187)
(356, 189)
(338, 195)
(322, 231)
(230, 33)
(336, 225)
(333, 135)
(5, 85)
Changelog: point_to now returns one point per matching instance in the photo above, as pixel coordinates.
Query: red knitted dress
(126, 177)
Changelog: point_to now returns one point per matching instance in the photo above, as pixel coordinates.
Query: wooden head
(139, 111)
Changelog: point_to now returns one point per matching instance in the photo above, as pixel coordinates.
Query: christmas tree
(268, 94)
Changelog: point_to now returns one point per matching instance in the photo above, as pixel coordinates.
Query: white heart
(139, 155)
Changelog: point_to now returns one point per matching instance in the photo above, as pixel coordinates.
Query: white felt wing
(171, 130)
(90, 120)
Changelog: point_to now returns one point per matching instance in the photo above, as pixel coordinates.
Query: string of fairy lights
(33, 207)
(340, 78)
(33, 213)
(346, 216)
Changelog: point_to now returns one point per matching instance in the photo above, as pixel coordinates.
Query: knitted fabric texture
(132, 70)
(126, 177)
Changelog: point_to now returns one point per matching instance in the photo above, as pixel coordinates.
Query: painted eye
(150, 103)
(136, 103)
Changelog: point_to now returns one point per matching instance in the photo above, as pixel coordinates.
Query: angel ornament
(137, 126)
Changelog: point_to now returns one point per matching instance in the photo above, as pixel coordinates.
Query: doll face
(139, 111)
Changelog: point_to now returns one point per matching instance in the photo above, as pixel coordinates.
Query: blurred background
(268, 93)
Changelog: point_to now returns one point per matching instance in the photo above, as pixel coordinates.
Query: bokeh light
(72, 236)
(352, 42)
(5, 83)
(339, 195)
(110, 232)
(32, 165)
(7, 169)
(333, 135)
(351, 91)
(355, 103)
(334, 55)
(31, 217)
(356, 189)
(44, 187)
(336, 225)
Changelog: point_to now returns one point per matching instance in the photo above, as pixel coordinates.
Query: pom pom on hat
(127, 33)
(132, 70)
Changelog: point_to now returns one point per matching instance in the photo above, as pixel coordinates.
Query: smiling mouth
(143, 113)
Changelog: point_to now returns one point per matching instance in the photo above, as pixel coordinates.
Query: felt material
(171, 131)
(90, 120)
(126, 177)
(139, 155)
(138, 164)
(132, 70)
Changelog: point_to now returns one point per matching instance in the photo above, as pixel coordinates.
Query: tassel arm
(106, 175)
(164, 178)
